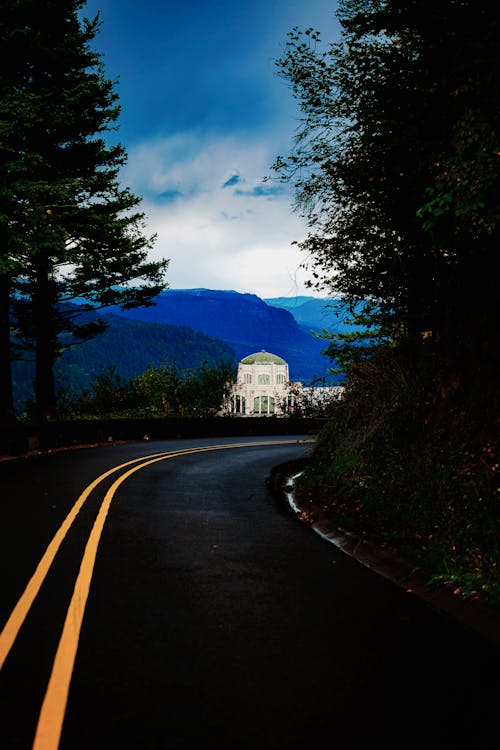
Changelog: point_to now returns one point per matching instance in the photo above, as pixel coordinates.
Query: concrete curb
(473, 614)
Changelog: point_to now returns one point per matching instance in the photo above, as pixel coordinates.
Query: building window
(280, 379)
(264, 405)
(247, 378)
(238, 405)
(264, 379)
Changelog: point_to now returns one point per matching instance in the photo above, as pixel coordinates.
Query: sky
(203, 117)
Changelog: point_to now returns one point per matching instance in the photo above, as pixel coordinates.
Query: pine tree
(71, 229)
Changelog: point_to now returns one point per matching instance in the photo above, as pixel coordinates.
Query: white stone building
(262, 386)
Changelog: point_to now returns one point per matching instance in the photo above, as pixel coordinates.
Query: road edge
(472, 614)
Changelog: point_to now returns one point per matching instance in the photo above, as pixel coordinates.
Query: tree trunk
(7, 414)
(45, 344)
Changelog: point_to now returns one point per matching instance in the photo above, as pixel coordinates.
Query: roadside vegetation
(414, 467)
(396, 171)
(161, 391)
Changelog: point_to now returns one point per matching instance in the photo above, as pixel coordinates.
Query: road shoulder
(389, 563)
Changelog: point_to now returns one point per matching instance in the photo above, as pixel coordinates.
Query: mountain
(245, 322)
(189, 326)
(313, 313)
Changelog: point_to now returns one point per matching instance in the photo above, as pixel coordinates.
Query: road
(172, 602)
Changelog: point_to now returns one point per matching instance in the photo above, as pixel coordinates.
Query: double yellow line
(49, 728)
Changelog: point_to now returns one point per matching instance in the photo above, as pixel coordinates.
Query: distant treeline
(130, 348)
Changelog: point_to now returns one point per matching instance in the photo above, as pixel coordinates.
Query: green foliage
(134, 346)
(161, 391)
(464, 195)
(395, 169)
(395, 164)
(69, 229)
(110, 394)
(412, 460)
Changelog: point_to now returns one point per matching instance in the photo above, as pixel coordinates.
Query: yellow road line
(50, 722)
(20, 611)
(48, 732)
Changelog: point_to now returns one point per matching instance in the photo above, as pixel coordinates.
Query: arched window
(264, 405)
(247, 378)
(264, 379)
(238, 404)
(280, 378)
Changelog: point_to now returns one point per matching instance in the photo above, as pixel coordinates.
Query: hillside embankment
(409, 459)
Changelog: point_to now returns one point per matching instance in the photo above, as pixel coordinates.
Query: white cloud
(219, 224)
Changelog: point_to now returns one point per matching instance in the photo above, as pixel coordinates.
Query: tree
(396, 163)
(194, 392)
(161, 391)
(396, 171)
(70, 229)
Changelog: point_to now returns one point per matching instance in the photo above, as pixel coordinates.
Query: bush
(411, 457)
(161, 391)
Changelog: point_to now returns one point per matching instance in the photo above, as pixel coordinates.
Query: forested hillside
(130, 346)
(245, 322)
(189, 327)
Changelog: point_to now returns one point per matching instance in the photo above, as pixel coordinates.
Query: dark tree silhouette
(68, 228)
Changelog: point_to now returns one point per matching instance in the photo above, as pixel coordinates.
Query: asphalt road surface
(171, 602)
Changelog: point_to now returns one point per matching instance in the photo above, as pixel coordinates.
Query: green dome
(263, 358)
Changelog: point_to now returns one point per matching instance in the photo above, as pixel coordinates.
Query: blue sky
(203, 117)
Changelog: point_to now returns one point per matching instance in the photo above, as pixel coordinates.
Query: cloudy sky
(204, 115)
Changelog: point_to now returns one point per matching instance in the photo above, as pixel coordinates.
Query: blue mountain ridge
(243, 321)
(315, 313)
(189, 326)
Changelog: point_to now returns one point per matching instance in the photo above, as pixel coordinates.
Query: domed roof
(263, 358)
